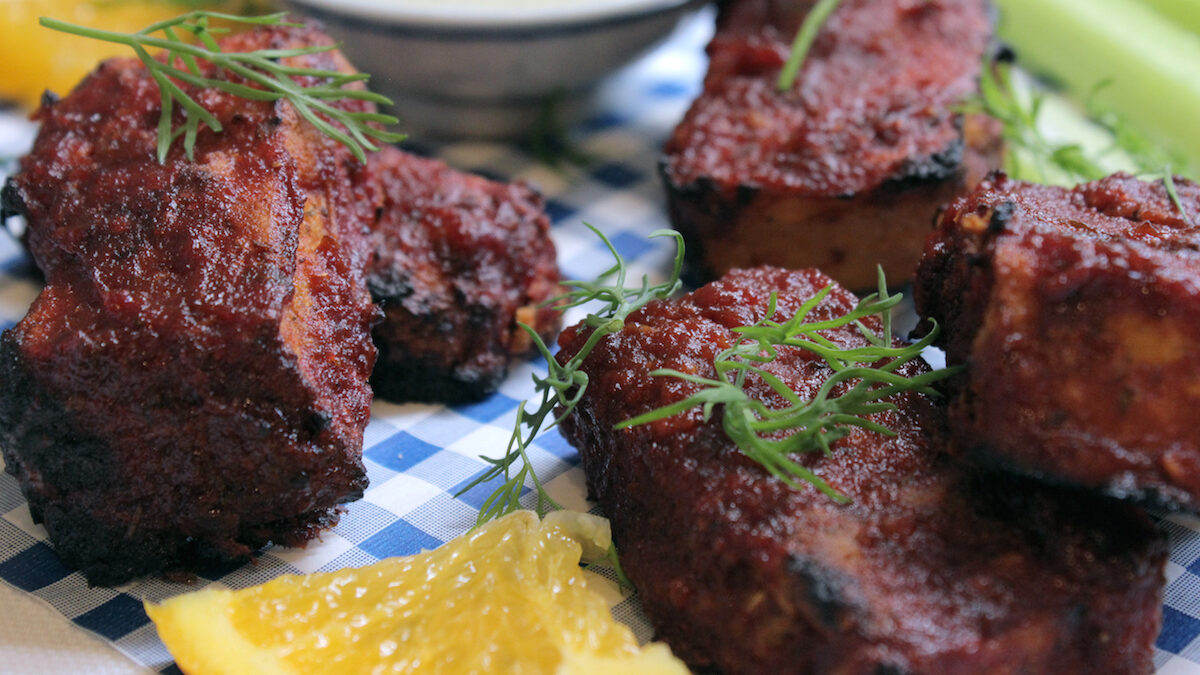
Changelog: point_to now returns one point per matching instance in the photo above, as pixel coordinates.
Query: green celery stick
(1184, 13)
(1151, 65)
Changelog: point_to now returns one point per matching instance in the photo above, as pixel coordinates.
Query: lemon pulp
(509, 597)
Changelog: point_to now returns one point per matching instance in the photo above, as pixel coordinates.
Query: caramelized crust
(456, 261)
(192, 382)
(847, 168)
(207, 322)
(1077, 314)
(930, 569)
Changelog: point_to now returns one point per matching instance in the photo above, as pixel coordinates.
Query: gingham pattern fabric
(419, 456)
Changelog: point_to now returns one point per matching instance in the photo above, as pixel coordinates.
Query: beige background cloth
(34, 638)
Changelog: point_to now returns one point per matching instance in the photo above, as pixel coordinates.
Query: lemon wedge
(37, 59)
(509, 597)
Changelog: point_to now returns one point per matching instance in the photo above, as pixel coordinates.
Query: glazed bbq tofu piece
(929, 569)
(1077, 315)
(456, 260)
(846, 168)
(191, 383)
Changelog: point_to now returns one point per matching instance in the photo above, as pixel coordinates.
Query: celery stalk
(1151, 65)
(1183, 13)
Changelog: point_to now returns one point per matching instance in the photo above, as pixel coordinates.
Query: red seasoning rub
(191, 384)
(930, 569)
(846, 168)
(456, 261)
(1077, 315)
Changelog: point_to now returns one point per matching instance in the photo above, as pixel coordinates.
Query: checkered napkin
(418, 457)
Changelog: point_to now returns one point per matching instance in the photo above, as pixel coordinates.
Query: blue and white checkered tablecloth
(419, 456)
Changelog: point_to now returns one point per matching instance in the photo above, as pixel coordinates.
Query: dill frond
(807, 425)
(269, 80)
(813, 21)
(1032, 156)
(565, 384)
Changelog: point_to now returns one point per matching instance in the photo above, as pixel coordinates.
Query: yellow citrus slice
(509, 597)
(36, 59)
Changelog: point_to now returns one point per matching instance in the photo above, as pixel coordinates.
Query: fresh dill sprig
(1151, 160)
(999, 99)
(565, 384)
(613, 561)
(1034, 157)
(765, 435)
(262, 67)
(813, 21)
(770, 436)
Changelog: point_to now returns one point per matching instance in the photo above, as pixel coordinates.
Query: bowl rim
(501, 17)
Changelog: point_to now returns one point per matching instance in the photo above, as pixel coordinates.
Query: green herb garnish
(1150, 160)
(1034, 157)
(262, 68)
(1029, 154)
(564, 384)
(1141, 48)
(813, 21)
(769, 436)
(810, 425)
